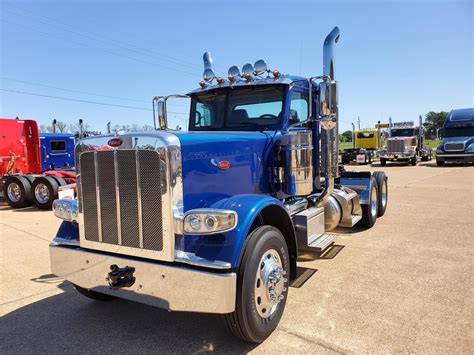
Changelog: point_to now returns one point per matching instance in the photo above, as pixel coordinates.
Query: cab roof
(283, 79)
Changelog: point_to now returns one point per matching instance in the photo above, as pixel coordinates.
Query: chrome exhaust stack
(328, 112)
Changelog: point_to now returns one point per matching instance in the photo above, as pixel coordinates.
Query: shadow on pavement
(69, 322)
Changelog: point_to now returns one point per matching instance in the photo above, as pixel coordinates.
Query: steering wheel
(268, 115)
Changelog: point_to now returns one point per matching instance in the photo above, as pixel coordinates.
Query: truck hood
(217, 165)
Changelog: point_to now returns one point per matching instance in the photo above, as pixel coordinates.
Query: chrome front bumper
(169, 287)
(397, 155)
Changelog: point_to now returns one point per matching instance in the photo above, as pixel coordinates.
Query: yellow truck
(365, 146)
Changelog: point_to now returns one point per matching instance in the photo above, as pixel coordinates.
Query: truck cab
(57, 151)
(213, 219)
(405, 143)
(458, 138)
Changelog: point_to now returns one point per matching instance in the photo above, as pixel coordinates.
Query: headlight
(209, 221)
(470, 148)
(66, 209)
(439, 149)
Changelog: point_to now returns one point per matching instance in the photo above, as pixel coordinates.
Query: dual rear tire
(24, 190)
(378, 199)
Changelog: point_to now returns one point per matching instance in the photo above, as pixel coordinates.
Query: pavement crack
(316, 341)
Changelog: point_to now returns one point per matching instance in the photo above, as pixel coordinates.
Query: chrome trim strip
(168, 286)
(455, 155)
(117, 199)
(139, 200)
(97, 197)
(193, 259)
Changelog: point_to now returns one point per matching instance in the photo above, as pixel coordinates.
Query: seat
(239, 116)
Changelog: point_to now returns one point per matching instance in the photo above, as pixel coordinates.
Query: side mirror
(328, 99)
(161, 113)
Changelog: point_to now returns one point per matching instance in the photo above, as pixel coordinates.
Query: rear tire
(93, 294)
(383, 161)
(370, 210)
(255, 316)
(44, 191)
(382, 192)
(17, 192)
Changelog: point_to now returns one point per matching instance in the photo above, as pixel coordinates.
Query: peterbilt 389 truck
(213, 219)
(405, 143)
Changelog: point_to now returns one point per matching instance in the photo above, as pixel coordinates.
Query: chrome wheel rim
(269, 283)
(383, 197)
(42, 193)
(373, 202)
(14, 192)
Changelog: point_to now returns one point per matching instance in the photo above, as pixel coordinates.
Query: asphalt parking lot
(406, 285)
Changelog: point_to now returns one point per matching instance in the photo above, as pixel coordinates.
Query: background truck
(213, 219)
(458, 138)
(405, 143)
(366, 144)
(33, 166)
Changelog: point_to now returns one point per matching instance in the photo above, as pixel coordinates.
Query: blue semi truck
(458, 138)
(213, 219)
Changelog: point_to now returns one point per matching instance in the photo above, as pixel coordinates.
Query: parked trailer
(212, 220)
(33, 166)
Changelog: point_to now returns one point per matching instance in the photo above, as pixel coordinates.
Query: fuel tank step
(355, 219)
(322, 242)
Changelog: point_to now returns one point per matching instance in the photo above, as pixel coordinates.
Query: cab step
(322, 242)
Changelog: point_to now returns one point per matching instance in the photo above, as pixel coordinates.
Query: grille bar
(121, 197)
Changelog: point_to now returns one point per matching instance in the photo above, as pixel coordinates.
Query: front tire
(413, 161)
(262, 287)
(439, 162)
(383, 161)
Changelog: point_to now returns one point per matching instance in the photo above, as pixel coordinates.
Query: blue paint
(57, 151)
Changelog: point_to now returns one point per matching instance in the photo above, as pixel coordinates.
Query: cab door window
(299, 107)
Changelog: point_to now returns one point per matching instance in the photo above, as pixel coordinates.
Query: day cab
(213, 219)
(458, 138)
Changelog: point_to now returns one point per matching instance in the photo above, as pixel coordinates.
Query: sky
(395, 59)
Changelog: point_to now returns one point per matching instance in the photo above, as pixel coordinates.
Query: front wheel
(262, 286)
(413, 161)
(382, 192)
(383, 161)
(439, 162)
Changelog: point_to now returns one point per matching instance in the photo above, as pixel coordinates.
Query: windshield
(459, 132)
(402, 132)
(362, 135)
(237, 108)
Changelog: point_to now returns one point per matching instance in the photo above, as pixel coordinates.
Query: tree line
(63, 127)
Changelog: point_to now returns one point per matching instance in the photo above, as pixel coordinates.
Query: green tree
(348, 135)
(433, 122)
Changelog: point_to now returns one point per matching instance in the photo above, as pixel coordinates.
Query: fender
(360, 182)
(68, 233)
(229, 246)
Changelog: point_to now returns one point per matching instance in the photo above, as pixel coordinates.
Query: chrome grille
(121, 197)
(396, 146)
(454, 147)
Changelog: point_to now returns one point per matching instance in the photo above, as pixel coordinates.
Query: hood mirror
(260, 67)
(328, 99)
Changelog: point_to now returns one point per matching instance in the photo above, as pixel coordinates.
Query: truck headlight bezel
(207, 221)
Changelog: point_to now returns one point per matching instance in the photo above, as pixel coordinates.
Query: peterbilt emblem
(121, 277)
(115, 142)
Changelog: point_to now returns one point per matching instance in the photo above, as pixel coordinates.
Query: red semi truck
(25, 173)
